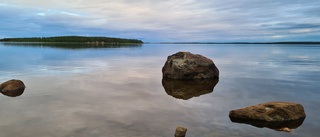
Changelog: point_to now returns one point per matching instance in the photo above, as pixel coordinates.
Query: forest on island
(73, 39)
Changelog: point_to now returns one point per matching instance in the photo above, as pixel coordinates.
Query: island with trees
(74, 39)
(72, 42)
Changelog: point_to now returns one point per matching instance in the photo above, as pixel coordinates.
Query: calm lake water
(118, 91)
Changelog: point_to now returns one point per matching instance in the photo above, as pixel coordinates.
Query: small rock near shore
(12, 88)
(180, 131)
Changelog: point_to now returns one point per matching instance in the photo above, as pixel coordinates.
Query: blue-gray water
(118, 92)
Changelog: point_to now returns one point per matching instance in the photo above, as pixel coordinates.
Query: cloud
(167, 20)
(292, 25)
(277, 36)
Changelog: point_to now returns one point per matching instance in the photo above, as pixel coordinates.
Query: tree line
(74, 39)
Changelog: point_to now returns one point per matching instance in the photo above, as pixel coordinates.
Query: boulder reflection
(278, 126)
(186, 89)
(13, 93)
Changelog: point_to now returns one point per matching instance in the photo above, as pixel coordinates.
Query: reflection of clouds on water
(300, 57)
(275, 62)
(66, 67)
(276, 51)
(26, 60)
(119, 93)
(193, 104)
(89, 103)
(69, 66)
(124, 99)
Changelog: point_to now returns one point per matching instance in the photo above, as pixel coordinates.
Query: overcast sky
(164, 20)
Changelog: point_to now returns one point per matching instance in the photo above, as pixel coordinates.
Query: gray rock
(271, 111)
(279, 116)
(180, 131)
(185, 65)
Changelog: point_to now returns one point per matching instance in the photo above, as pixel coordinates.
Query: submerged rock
(280, 116)
(12, 88)
(186, 89)
(185, 65)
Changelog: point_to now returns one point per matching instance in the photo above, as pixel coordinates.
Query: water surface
(118, 91)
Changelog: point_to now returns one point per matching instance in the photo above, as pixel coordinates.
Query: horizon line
(276, 42)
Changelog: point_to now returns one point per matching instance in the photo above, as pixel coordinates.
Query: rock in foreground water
(271, 111)
(185, 65)
(12, 88)
(180, 131)
(280, 116)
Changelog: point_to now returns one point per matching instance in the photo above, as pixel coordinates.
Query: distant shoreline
(73, 39)
(287, 42)
(99, 40)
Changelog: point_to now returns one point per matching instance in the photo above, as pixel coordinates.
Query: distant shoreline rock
(185, 65)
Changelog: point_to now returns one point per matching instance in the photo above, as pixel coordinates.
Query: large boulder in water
(271, 111)
(12, 88)
(185, 65)
(274, 115)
